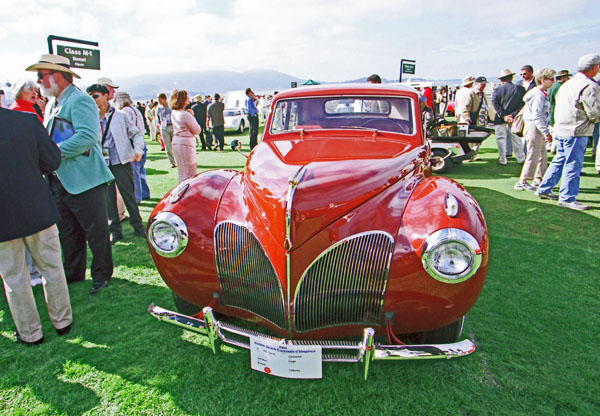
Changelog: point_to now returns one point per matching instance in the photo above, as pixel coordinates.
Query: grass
(535, 327)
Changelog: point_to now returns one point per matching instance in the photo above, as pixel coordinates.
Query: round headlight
(168, 234)
(451, 255)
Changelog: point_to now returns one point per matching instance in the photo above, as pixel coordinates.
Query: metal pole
(401, 63)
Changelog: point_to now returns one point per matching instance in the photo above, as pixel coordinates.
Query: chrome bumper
(337, 351)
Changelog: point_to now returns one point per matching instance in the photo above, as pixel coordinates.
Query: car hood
(334, 177)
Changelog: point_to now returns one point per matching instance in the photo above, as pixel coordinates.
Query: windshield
(230, 113)
(393, 114)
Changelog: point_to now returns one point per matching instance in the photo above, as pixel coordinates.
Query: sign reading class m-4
(408, 68)
(80, 57)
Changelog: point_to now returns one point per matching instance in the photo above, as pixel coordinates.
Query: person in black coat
(199, 109)
(508, 101)
(29, 216)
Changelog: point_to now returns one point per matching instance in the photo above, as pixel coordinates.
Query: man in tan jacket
(577, 110)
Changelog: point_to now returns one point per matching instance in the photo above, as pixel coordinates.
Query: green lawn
(535, 326)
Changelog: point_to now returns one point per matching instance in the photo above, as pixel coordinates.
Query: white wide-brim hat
(467, 81)
(505, 73)
(53, 63)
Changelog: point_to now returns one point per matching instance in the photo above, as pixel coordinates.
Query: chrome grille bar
(246, 276)
(346, 284)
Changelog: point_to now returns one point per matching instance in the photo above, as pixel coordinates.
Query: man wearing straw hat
(79, 184)
(464, 100)
(508, 101)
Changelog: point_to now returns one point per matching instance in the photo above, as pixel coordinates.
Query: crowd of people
(73, 155)
(544, 112)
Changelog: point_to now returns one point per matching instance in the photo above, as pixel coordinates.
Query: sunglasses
(41, 76)
(94, 96)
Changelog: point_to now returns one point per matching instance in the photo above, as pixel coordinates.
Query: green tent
(311, 82)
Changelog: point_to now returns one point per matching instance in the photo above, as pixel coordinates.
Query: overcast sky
(327, 40)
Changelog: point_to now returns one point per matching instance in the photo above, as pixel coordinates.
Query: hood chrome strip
(293, 182)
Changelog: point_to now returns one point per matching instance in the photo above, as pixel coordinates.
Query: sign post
(407, 66)
(85, 58)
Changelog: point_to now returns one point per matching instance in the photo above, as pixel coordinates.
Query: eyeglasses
(41, 76)
(94, 96)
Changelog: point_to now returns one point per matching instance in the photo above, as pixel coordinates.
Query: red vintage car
(335, 228)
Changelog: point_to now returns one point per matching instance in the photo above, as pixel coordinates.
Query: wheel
(241, 128)
(443, 335)
(440, 161)
(185, 307)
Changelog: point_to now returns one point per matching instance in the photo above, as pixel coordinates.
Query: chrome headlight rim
(447, 236)
(179, 228)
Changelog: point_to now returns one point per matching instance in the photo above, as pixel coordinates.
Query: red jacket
(26, 107)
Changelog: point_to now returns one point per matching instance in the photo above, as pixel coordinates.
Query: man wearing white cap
(79, 184)
(464, 99)
(110, 86)
(507, 100)
(577, 109)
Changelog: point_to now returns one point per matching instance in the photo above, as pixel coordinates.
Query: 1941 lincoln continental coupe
(335, 239)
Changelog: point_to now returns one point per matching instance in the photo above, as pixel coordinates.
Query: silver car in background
(236, 119)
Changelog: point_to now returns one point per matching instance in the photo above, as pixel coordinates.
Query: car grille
(346, 284)
(246, 276)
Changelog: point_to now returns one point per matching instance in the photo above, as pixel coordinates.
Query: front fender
(192, 274)
(420, 301)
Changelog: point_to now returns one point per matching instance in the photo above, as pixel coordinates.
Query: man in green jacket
(79, 184)
(561, 77)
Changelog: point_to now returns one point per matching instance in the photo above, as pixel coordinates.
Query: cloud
(326, 40)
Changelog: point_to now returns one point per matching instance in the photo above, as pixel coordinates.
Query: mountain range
(209, 82)
(206, 82)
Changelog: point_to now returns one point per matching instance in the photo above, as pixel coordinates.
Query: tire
(443, 335)
(440, 161)
(184, 307)
(240, 130)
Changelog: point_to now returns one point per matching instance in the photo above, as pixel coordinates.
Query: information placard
(284, 360)
(408, 68)
(80, 57)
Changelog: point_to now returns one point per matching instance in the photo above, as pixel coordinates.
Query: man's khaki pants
(44, 247)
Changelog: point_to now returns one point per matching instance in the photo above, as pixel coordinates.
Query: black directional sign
(408, 68)
(80, 57)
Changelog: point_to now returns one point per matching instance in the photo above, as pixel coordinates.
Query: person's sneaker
(548, 195)
(65, 330)
(573, 205)
(140, 233)
(502, 162)
(98, 286)
(524, 187)
(536, 183)
(36, 281)
(20, 341)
